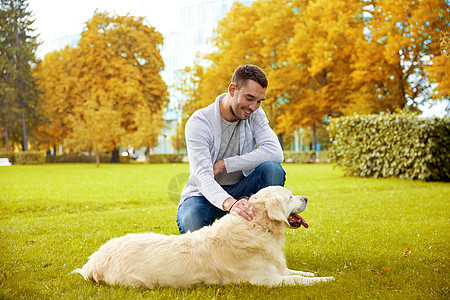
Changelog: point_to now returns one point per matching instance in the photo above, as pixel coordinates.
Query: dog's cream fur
(232, 250)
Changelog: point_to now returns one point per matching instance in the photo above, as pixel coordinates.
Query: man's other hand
(219, 167)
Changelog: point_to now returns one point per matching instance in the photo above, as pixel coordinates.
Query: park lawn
(380, 238)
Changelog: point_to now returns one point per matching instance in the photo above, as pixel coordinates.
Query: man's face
(246, 99)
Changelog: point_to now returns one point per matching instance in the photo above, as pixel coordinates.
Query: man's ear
(276, 209)
(232, 89)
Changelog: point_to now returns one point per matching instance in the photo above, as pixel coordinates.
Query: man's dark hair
(247, 72)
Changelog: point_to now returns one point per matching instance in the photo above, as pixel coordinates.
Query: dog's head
(282, 206)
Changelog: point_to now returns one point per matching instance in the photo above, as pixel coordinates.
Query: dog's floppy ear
(276, 209)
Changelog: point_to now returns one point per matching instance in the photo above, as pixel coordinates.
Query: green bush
(82, 158)
(29, 158)
(106, 158)
(165, 158)
(397, 145)
(304, 157)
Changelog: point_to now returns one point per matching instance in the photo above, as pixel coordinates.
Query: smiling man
(232, 152)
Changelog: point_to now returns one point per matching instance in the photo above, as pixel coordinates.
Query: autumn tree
(113, 94)
(438, 69)
(18, 88)
(320, 62)
(329, 58)
(393, 54)
(256, 35)
(8, 109)
(55, 78)
(305, 62)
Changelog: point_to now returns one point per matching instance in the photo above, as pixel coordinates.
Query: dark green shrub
(29, 158)
(82, 158)
(304, 157)
(397, 145)
(165, 158)
(106, 158)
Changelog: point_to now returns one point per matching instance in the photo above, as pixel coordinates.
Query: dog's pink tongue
(303, 222)
(296, 221)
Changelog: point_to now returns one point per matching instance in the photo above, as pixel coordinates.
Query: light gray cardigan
(203, 134)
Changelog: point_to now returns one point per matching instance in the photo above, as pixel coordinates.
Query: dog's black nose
(306, 199)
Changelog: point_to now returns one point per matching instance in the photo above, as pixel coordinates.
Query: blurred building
(69, 40)
(58, 44)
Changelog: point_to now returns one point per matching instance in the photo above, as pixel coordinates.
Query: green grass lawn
(380, 238)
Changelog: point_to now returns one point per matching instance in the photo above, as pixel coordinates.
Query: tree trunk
(20, 89)
(115, 156)
(97, 158)
(24, 128)
(6, 137)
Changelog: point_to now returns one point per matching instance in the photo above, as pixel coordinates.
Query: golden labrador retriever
(232, 250)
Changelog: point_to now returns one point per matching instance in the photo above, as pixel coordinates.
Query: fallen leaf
(405, 253)
(376, 273)
(390, 288)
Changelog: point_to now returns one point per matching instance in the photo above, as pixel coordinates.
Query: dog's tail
(79, 271)
(88, 272)
(91, 269)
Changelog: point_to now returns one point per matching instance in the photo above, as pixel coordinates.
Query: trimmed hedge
(301, 157)
(81, 158)
(106, 158)
(304, 157)
(29, 158)
(165, 158)
(397, 145)
(25, 157)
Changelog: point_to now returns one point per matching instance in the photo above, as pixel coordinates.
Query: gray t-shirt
(229, 147)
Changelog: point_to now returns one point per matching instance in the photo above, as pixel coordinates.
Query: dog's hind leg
(301, 273)
(300, 280)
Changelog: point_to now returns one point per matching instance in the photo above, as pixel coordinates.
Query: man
(225, 165)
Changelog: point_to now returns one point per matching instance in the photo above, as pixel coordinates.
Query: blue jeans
(197, 211)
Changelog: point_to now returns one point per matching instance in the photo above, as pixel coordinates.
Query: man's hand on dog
(242, 206)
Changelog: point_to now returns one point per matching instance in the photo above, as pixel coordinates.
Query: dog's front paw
(329, 278)
(312, 280)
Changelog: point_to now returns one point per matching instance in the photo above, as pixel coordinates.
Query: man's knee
(189, 220)
(272, 167)
(195, 213)
(273, 173)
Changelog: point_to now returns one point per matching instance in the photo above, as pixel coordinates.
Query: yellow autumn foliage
(330, 58)
(107, 92)
(440, 66)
